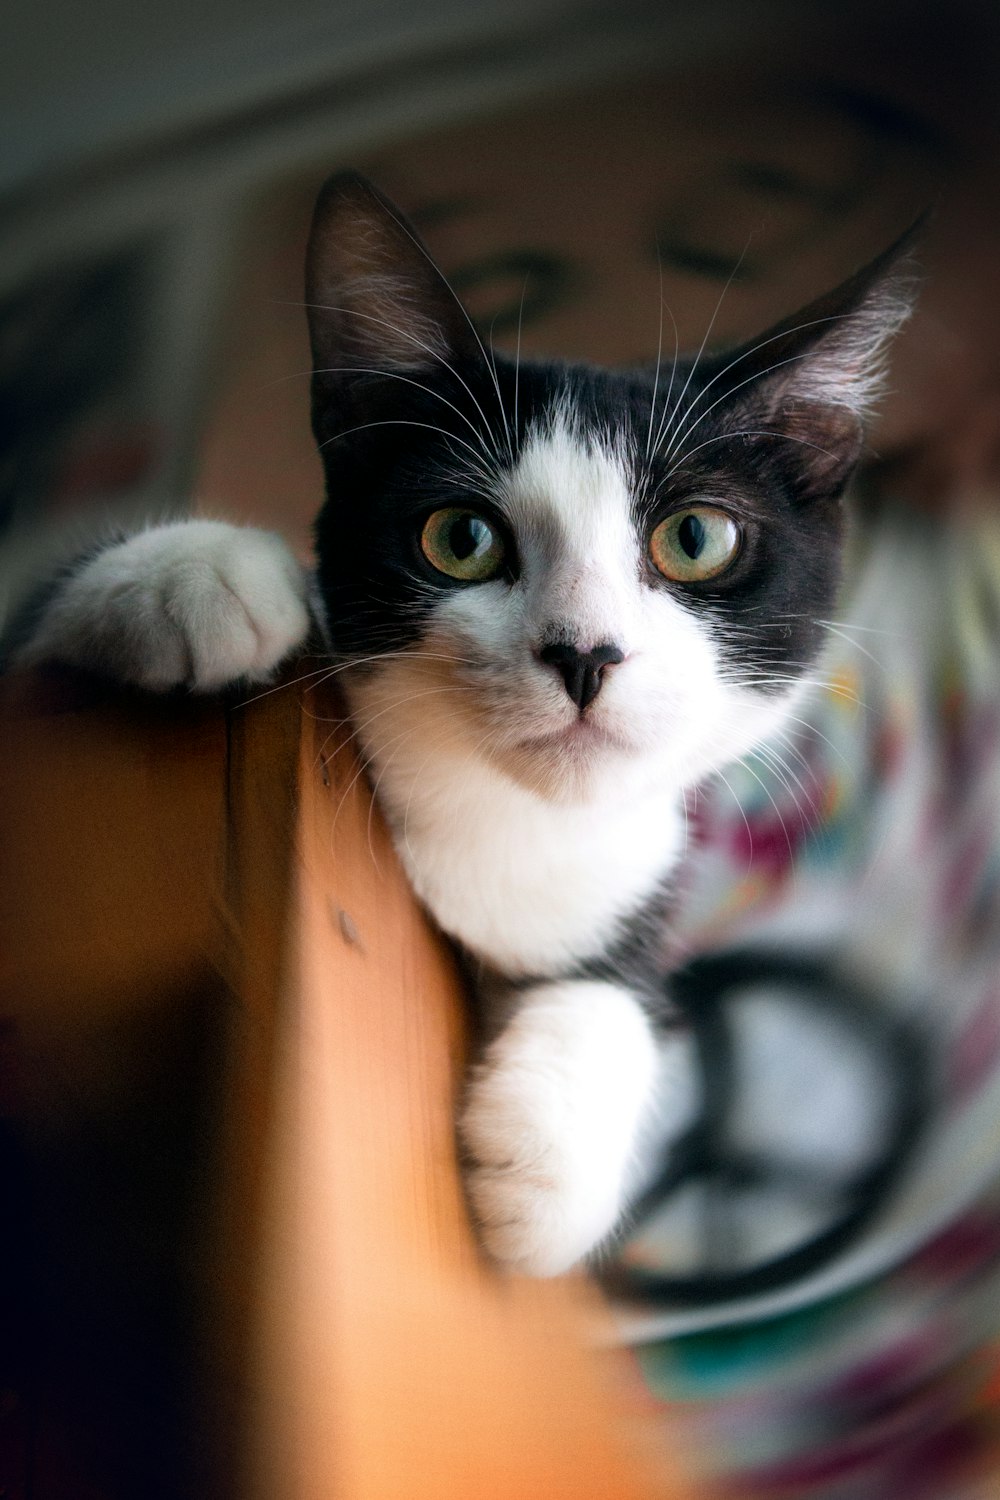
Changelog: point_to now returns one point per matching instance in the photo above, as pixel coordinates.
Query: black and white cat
(562, 597)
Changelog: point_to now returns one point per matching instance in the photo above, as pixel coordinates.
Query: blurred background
(159, 170)
(571, 165)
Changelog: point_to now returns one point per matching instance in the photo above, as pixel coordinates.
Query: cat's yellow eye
(462, 545)
(694, 544)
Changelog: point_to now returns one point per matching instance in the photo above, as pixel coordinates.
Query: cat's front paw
(195, 603)
(540, 1202)
(550, 1122)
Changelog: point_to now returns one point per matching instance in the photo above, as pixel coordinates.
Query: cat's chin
(582, 737)
(570, 763)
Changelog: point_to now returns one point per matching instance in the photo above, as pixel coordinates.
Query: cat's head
(566, 571)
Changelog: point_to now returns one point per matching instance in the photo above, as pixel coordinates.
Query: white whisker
(401, 222)
(685, 432)
(427, 348)
(659, 352)
(662, 430)
(728, 437)
(746, 354)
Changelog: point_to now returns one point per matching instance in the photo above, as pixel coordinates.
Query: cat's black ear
(808, 385)
(376, 299)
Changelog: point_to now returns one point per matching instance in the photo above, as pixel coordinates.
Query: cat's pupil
(691, 535)
(467, 536)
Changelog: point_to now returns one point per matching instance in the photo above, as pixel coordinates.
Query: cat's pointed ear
(814, 378)
(376, 299)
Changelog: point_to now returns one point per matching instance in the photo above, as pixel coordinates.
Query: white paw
(541, 1201)
(551, 1121)
(200, 603)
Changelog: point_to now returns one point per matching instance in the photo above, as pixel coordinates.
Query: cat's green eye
(462, 545)
(694, 544)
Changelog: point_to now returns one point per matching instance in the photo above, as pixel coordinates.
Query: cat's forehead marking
(571, 488)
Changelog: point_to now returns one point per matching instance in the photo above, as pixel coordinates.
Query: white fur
(529, 884)
(200, 603)
(551, 1123)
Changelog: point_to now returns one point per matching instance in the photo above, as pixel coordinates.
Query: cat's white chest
(530, 886)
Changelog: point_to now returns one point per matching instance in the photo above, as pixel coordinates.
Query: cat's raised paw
(196, 603)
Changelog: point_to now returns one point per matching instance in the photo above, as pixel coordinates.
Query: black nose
(581, 671)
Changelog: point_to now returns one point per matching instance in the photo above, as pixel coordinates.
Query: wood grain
(220, 876)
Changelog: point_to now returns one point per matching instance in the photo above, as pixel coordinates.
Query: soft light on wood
(347, 1341)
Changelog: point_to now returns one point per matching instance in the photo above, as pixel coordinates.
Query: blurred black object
(728, 1171)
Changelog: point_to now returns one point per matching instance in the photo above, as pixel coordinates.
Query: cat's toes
(198, 603)
(238, 602)
(540, 1191)
(531, 1222)
(549, 1126)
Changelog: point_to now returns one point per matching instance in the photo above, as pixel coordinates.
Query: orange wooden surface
(201, 905)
